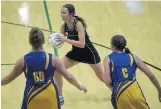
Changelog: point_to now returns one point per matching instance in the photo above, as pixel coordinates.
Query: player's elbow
(5, 81)
(69, 77)
(151, 77)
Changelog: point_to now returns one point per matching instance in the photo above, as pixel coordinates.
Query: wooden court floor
(104, 19)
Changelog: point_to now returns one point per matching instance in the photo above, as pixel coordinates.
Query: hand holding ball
(55, 40)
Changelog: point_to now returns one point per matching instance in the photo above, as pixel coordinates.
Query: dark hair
(71, 10)
(120, 43)
(36, 38)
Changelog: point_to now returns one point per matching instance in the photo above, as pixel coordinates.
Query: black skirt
(88, 54)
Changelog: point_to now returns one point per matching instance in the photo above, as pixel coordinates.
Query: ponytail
(127, 50)
(81, 20)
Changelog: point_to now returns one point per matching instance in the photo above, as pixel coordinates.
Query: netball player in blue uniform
(74, 30)
(120, 71)
(39, 67)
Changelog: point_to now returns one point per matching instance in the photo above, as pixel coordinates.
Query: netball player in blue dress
(39, 67)
(120, 76)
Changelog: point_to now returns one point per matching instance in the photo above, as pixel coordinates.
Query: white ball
(55, 40)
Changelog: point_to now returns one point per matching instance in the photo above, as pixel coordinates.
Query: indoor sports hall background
(139, 22)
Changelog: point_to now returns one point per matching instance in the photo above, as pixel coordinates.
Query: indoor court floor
(141, 28)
